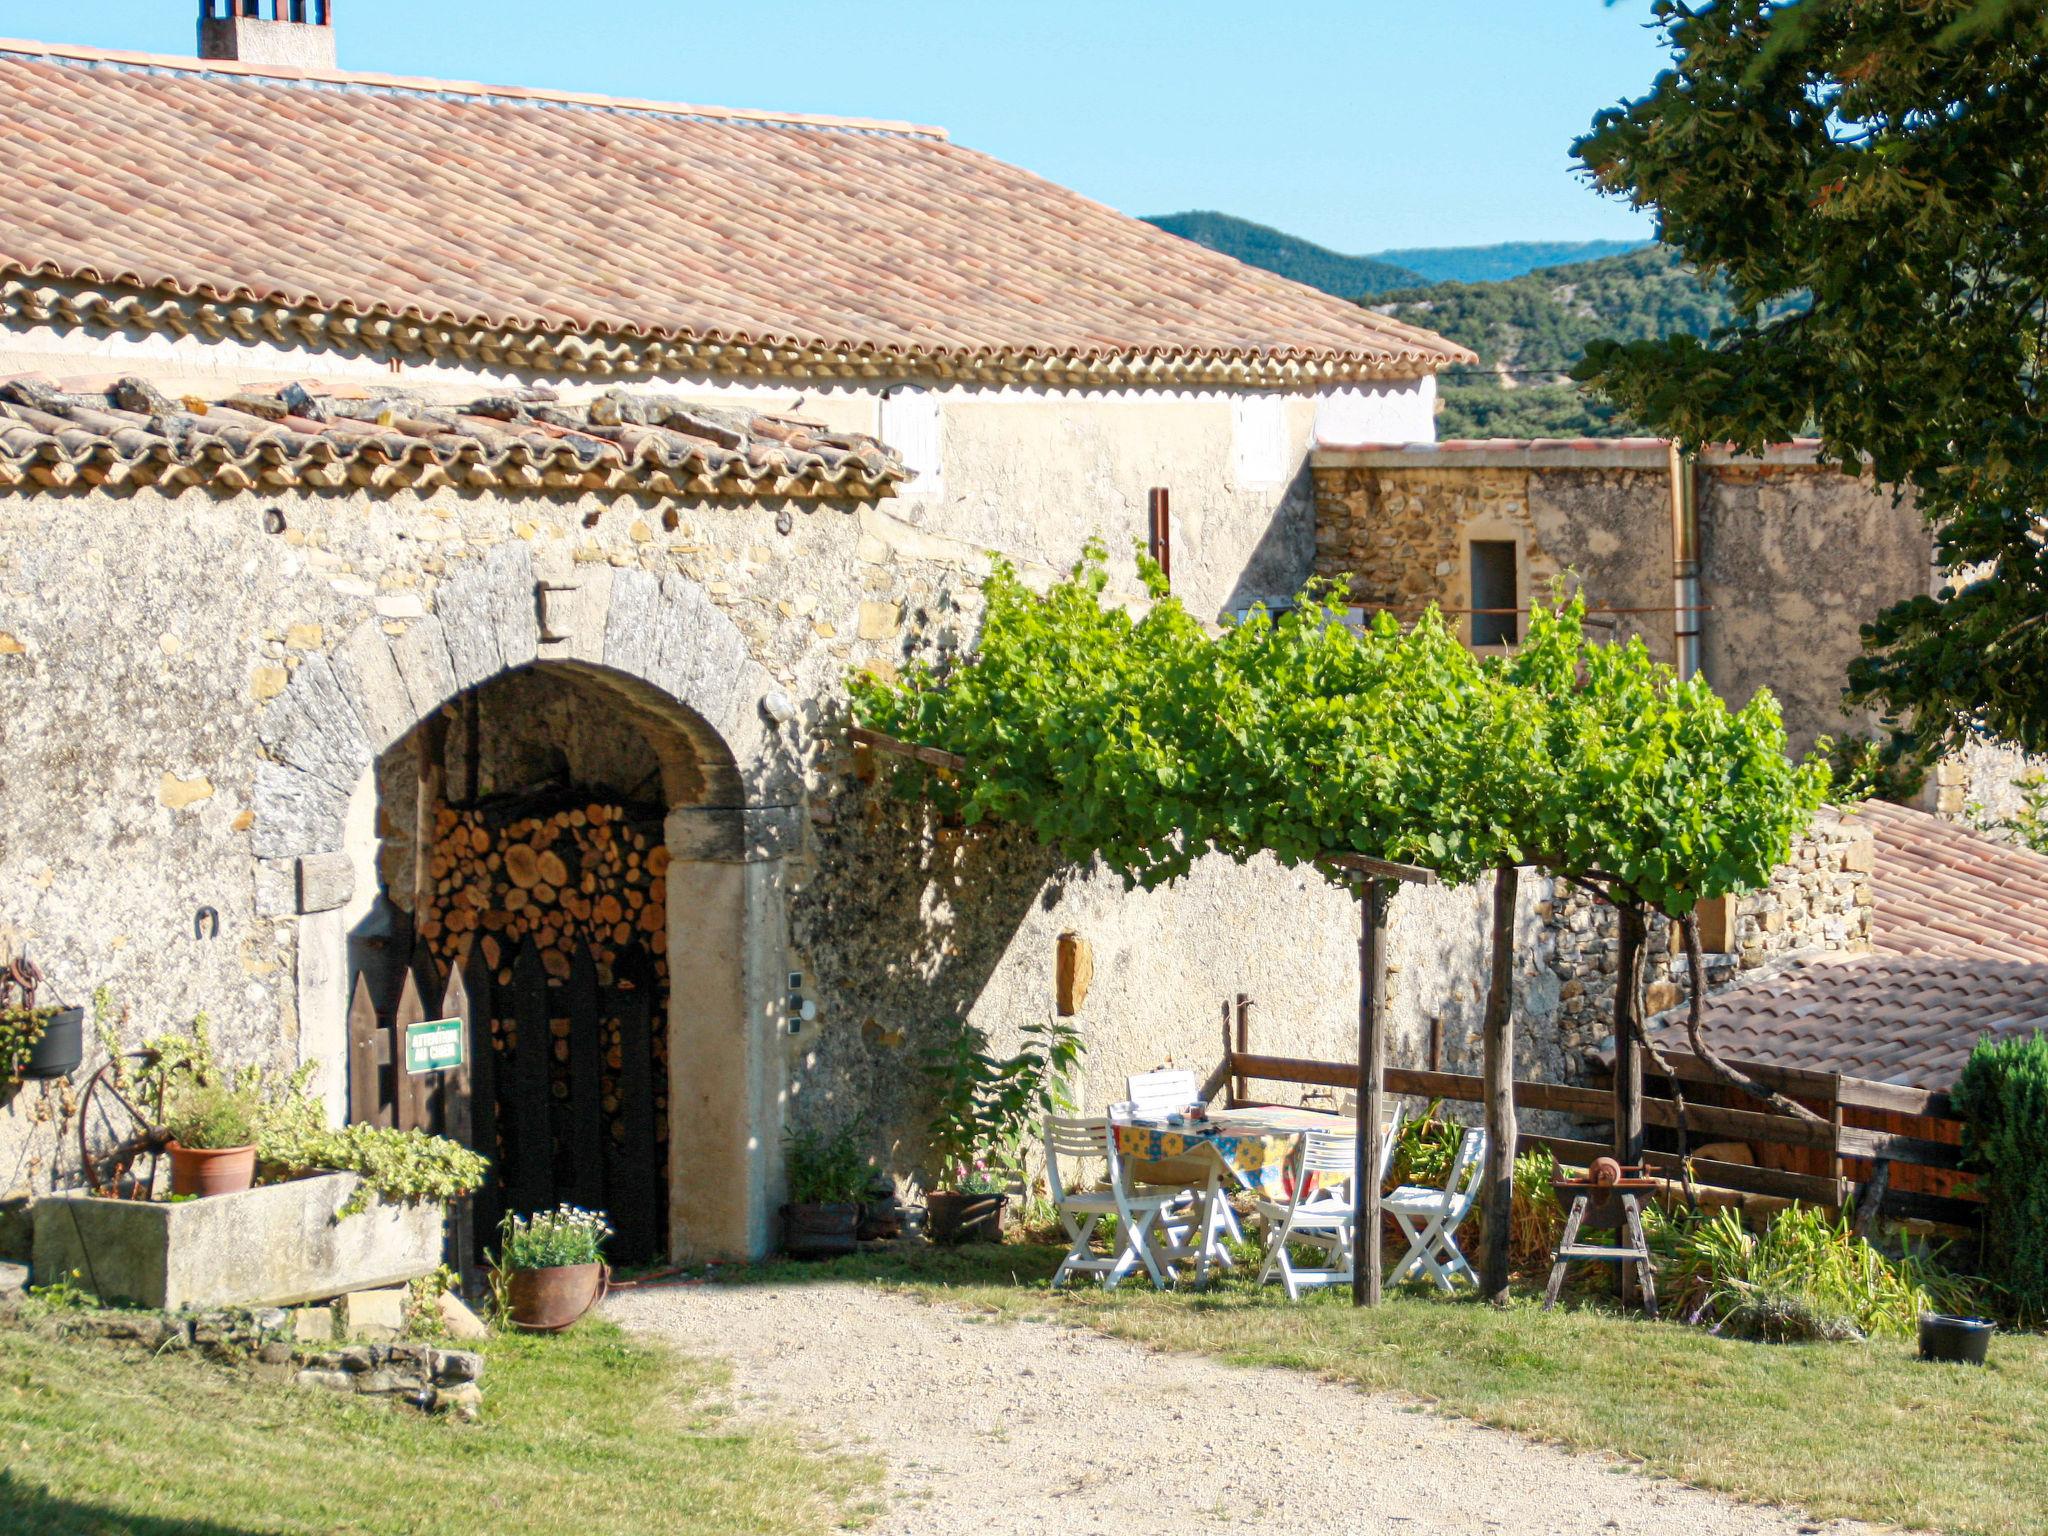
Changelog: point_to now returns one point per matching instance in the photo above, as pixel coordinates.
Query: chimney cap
(285, 34)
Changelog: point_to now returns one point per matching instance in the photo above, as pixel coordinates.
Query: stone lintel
(731, 835)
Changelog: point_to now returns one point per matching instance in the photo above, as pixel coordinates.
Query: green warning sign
(435, 1046)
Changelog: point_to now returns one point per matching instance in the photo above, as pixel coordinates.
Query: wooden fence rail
(1821, 1161)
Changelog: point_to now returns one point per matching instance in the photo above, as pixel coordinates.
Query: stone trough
(270, 1247)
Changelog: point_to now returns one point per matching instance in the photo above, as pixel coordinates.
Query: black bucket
(61, 1048)
(1955, 1340)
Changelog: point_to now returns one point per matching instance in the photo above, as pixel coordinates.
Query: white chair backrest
(1075, 1136)
(1326, 1153)
(1389, 1139)
(1162, 1093)
(1468, 1167)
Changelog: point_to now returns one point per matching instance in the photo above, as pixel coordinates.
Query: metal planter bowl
(1954, 1340)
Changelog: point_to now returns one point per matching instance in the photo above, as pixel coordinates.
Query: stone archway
(664, 648)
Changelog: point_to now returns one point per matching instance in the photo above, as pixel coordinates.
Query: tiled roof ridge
(508, 95)
(125, 434)
(132, 302)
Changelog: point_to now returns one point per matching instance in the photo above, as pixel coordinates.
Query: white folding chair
(1429, 1218)
(1322, 1219)
(1153, 1095)
(1140, 1218)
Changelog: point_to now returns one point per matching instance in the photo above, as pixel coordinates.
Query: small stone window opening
(1496, 585)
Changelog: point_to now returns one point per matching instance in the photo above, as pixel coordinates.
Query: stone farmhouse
(442, 517)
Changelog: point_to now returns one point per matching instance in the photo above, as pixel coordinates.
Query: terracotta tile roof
(1960, 934)
(124, 433)
(1910, 1020)
(748, 242)
(1944, 889)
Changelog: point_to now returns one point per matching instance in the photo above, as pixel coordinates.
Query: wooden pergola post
(1367, 1263)
(1376, 885)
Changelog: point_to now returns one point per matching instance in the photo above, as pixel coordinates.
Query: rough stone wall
(142, 638)
(1794, 560)
(1819, 901)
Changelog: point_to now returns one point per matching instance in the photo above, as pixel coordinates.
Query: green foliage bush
(402, 1167)
(1803, 1278)
(213, 1117)
(828, 1170)
(2002, 1097)
(987, 1107)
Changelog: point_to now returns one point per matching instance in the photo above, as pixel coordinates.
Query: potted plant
(43, 1041)
(212, 1125)
(552, 1266)
(987, 1108)
(828, 1175)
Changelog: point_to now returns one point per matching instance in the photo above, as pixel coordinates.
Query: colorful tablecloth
(1254, 1146)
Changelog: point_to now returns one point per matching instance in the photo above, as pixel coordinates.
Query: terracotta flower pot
(205, 1171)
(549, 1300)
(960, 1218)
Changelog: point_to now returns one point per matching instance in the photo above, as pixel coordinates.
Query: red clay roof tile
(522, 211)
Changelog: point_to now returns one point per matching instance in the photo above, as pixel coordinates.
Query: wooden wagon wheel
(131, 1133)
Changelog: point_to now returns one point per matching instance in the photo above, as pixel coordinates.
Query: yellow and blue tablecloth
(1254, 1146)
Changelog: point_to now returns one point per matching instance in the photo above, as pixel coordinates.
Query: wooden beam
(1380, 869)
(931, 756)
(1857, 1093)
(1498, 1182)
(1882, 1146)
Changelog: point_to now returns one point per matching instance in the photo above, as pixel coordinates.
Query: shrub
(828, 1170)
(402, 1167)
(1804, 1277)
(2002, 1098)
(212, 1117)
(550, 1239)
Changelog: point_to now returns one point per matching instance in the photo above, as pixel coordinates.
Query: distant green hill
(1499, 263)
(1349, 277)
(1530, 330)
(1360, 277)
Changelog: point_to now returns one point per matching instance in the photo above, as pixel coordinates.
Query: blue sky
(1363, 125)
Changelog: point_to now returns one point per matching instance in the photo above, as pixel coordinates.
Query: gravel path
(1014, 1428)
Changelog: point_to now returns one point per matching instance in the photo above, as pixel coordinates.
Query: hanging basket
(61, 1048)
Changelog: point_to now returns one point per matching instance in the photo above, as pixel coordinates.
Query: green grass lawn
(589, 1434)
(1866, 1431)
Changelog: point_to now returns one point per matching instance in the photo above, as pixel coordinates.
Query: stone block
(314, 727)
(374, 1314)
(359, 1358)
(724, 836)
(275, 1246)
(470, 628)
(13, 1279)
(313, 1325)
(325, 1381)
(514, 604)
(326, 882)
(276, 1352)
(296, 813)
(381, 1383)
(629, 633)
(462, 1324)
(369, 675)
(454, 1365)
(422, 657)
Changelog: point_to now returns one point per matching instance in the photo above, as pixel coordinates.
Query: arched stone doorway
(658, 659)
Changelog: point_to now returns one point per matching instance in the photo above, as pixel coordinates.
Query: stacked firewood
(589, 874)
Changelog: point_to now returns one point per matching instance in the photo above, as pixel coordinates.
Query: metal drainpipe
(1685, 562)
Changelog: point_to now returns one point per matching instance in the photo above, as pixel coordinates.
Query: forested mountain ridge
(1360, 277)
(1348, 277)
(1531, 330)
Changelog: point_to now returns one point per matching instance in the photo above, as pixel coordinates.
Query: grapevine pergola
(1379, 756)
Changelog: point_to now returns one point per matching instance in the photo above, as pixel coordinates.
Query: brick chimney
(284, 34)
